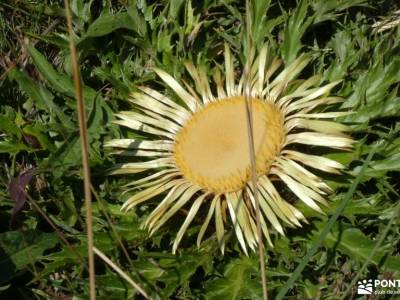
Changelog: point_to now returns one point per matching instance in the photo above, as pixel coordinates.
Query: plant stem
(85, 152)
(249, 115)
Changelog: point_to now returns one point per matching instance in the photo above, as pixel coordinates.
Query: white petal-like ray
(305, 107)
(191, 91)
(310, 82)
(261, 69)
(277, 210)
(148, 103)
(159, 145)
(284, 101)
(283, 205)
(172, 195)
(298, 189)
(141, 153)
(183, 199)
(234, 205)
(148, 182)
(139, 126)
(190, 67)
(329, 127)
(132, 168)
(320, 139)
(328, 115)
(151, 178)
(219, 224)
(276, 63)
(188, 99)
(173, 126)
(271, 216)
(149, 193)
(163, 99)
(303, 176)
(206, 87)
(247, 224)
(291, 71)
(220, 84)
(229, 72)
(207, 220)
(319, 92)
(189, 218)
(314, 161)
(281, 81)
(161, 124)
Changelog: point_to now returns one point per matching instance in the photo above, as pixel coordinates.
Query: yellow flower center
(212, 148)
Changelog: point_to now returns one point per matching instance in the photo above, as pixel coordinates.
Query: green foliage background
(118, 43)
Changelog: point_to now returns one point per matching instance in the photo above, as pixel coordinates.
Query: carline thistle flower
(197, 147)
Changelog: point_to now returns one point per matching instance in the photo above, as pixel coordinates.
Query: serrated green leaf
(354, 243)
(240, 281)
(19, 249)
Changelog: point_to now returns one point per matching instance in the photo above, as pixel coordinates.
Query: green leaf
(66, 156)
(8, 126)
(59, 81)
(261, 25)
(371, 97)
(12, 147)
(139, 23)
(38, 131)
(354, 243)
(19, 249)
(107, 23)
(295, 28)
(177, 268)
(240, 281)
(81, 9)
(42, 97)
(328, 9)
(32, 89)
(174, 8)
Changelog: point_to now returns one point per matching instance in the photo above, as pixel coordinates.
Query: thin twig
(120, 272)
(55, 228)
(249, 114)
(109, 221)
(85, 151)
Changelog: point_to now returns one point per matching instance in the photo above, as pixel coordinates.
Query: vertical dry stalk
(85, 151)
(247, 97)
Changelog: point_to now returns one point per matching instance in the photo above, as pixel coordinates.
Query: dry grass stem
(248, 99)
(110, 223)
(58, 232)
(120, 272)
(85, 151)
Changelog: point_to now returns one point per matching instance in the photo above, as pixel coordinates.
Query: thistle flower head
(198, 155)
